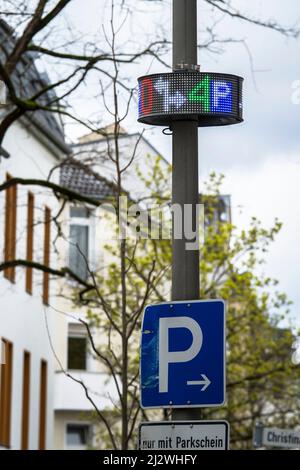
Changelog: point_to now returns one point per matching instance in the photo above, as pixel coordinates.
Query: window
(10, 234)
(78, 436)
(25, 401)
(79, 247)
(223, 209)
(29, 247)
(5, 394)
(77, 353)
(79, 241)
(46, 255)
(43, 405)
(81, 212)
(77, 347)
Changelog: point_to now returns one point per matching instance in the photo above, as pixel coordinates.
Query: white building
(41, 337)
(31, 148)
(76, 423)
(75, 420)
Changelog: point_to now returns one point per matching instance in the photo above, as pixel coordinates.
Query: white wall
(22, 316)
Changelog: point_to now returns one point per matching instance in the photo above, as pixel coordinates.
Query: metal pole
(185, 265)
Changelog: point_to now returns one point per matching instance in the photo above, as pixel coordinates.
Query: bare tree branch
(80, 382)
(63, 272)
(225, 7)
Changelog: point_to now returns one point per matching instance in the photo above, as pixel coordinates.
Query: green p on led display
(212, 99)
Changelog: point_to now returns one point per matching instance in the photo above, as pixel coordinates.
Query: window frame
(10, 228)
(43, 400)
(46, 253)
(29, 241)
(86, 351)
(88, 424)
(90, 222)
(25, 417)
(85, 256)
(6, 391)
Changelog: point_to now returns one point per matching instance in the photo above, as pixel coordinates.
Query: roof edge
(61, 145)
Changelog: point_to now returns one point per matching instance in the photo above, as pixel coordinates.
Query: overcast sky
(261, 157)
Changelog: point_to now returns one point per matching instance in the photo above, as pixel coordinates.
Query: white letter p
(165, 356)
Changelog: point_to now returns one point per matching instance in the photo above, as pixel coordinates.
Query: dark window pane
(77, 434)
(79, 212)
(79, 250)
(77, 353)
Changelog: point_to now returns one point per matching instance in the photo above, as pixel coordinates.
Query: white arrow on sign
(177, 100)
(205, 382)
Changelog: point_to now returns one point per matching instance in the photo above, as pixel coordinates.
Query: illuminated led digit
(163, 88)
(146, 101)
(221, 92)
(201, 94)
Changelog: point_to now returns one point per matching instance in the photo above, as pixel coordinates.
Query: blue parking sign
(183, 354)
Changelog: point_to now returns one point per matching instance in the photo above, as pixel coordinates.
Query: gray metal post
(185, 267)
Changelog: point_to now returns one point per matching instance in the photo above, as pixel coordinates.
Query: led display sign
(213, 99)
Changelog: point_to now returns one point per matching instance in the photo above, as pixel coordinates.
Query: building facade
(32, 146)
(46, 360)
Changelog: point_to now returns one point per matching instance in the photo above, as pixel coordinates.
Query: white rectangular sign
(184, 435)
(275, 437)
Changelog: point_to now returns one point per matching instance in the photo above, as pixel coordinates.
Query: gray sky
(261, 157)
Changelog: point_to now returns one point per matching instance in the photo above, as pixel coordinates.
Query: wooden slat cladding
(5, 394)
(25, 401)
(10, 233)
(47, 229)
(43, 406)
(30, 238)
